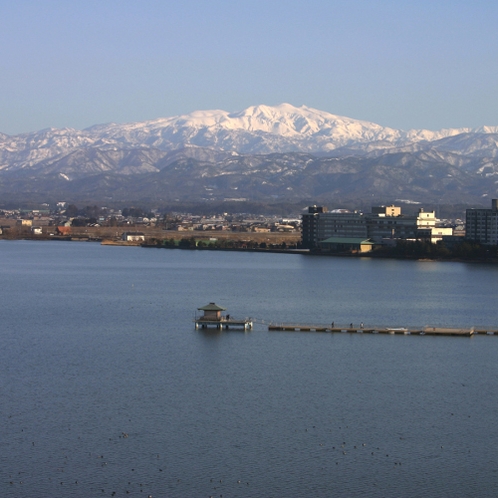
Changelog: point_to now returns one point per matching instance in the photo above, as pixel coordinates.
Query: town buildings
(384, 225)
(481, 225)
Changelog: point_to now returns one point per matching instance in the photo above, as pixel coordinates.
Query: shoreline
(306, 252)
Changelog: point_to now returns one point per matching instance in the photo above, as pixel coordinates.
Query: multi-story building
(388, 223)
(341, 224)
(309, 225)
(481, 225)
(383, 223)
(318, 224)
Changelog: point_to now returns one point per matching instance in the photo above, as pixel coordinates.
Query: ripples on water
(106, 387)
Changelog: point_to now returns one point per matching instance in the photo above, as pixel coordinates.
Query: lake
(108, 390)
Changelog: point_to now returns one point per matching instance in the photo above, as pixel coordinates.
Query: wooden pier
(350, 329)
(213, 317)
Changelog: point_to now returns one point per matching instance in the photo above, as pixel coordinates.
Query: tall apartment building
(481, 225)
(384, 222)
(318, 224)
(309, 225)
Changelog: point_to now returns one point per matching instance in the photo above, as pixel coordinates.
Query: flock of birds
(218, 486)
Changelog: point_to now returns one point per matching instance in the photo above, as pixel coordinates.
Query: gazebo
(212, 312)
(212, 317)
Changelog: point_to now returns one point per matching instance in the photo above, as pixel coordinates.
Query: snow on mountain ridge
(284, 121)
(258, 129)
(260, 152)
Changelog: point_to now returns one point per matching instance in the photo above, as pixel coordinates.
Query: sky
(399, 63)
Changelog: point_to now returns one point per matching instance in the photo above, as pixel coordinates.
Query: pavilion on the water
(213, 317)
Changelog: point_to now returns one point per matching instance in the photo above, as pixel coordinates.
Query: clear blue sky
(399, 63)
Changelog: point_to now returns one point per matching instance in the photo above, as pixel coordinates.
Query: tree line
(420, 249)
(193, 243)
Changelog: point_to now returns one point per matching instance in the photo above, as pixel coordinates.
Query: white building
(133, 236)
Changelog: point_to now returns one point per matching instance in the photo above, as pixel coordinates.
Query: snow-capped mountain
(263, 129)
(261, 145)
(255, 130)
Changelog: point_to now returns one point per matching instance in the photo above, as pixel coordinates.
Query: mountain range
(281, 153)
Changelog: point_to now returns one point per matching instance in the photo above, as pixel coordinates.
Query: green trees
(187, 243)
(420, 249)
(71, 211)
(193, 243)
(169, 243)
(135, 212)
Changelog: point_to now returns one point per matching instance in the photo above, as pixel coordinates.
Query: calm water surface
(107, 388)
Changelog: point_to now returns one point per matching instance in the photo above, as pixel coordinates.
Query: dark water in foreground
(97, 344)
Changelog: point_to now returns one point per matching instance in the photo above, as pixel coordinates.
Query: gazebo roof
(212, 307)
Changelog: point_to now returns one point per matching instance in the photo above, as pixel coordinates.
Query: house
(63, 230)
(25, 223)
(439, 233)
(133, 236)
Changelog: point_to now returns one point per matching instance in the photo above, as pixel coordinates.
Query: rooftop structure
(391, 210)
(212, 312)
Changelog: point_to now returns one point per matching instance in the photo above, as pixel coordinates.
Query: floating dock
(244, 324)
(427, 330)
